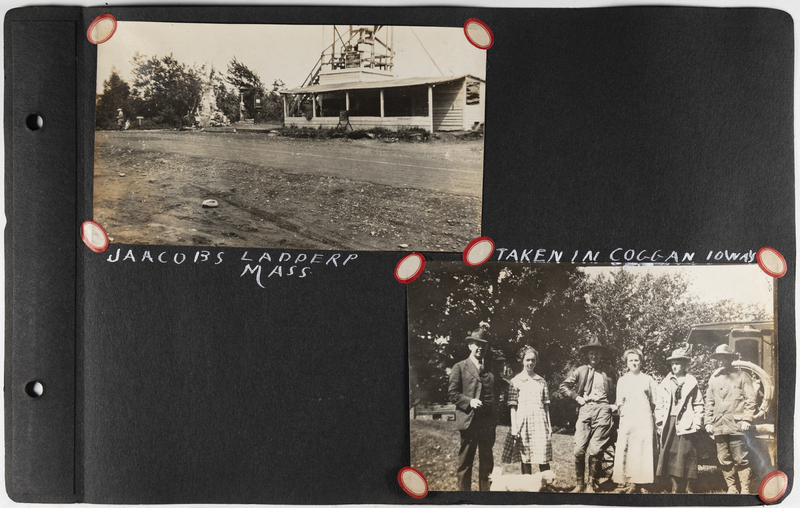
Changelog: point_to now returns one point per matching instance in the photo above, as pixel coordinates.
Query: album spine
(41, 253)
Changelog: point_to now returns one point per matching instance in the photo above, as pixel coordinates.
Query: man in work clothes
(594, 388)
(472, 390)
(730, 406)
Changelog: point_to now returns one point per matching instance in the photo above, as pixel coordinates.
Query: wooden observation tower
(355, 47)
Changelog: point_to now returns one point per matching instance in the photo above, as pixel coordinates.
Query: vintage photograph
(597, 379)
(357, 137)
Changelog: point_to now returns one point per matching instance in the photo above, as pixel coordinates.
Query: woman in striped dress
(530, 413)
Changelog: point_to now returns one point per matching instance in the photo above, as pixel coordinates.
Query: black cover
(641, 128)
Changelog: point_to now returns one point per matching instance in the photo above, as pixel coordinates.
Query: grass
(434, 452)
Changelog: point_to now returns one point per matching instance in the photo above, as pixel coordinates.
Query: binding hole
(34, 389)
(34, 122)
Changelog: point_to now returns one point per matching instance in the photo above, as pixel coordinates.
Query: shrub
(411, 134)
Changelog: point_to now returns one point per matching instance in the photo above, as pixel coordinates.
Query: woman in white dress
(530, 413)
(636, 399)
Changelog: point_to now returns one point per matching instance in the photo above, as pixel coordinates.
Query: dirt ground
(434, 453)
(149, 188)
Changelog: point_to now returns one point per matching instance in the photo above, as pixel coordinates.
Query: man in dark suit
(472, 391)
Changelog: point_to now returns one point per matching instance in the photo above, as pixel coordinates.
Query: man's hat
(679, 355)
(479, 335)
(723, 352)
(593, 344)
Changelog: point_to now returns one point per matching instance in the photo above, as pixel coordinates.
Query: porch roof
(376, 85)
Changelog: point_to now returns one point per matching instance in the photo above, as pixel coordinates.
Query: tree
(655, 314)
(250, 85)
(168, 89)
(116, 95)
(641, 311)
(518, 304)
(246, 82)
(556, 309)
(272, 103)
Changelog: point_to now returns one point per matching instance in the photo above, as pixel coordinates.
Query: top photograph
(346, 137)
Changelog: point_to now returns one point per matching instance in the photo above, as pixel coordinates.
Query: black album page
(437, 255)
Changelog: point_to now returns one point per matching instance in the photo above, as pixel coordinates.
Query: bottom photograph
(597, 379)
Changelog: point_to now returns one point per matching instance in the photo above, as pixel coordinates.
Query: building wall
(448, 106)
(361, 122)
(450, 109)
(353, 76)
(476, 113)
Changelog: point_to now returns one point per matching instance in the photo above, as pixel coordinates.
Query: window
(473, 93)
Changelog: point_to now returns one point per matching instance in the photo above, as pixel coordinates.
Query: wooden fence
(434, 412)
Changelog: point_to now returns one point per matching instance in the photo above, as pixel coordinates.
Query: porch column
(464, 106)
(285, 109)
(347, 100)
(313, 105)
(430, 107)
(381, 103)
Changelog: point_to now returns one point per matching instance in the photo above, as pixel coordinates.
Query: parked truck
(756, 344)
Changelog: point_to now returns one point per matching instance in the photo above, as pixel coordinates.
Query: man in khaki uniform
(594, 387)
(730, 406)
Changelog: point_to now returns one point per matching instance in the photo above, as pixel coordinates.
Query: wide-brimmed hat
(593, 344)
(679, 354)
(723, 352)
(479, 335)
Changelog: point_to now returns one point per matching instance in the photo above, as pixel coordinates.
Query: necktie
(589, 382)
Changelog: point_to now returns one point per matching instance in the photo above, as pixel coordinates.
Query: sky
(286, 52)
(745, 283)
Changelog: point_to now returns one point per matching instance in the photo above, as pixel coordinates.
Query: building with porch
(352, 84)
(451, 103)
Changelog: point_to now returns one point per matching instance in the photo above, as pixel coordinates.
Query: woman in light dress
(530, 413)
(636, 399)
(679, 416)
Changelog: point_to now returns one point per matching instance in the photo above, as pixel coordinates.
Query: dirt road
(289, 193)
(453, 168)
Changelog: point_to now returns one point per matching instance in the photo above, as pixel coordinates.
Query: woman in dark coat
(679, 416)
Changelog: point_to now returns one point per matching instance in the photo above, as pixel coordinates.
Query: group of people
(657, 425)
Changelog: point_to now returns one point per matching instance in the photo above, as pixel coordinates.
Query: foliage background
(555, 309)
(167, 93)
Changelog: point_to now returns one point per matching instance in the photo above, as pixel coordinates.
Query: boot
(580, 472)
(527, 468)
(730, 479)
(744, 480)
(593, 485)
